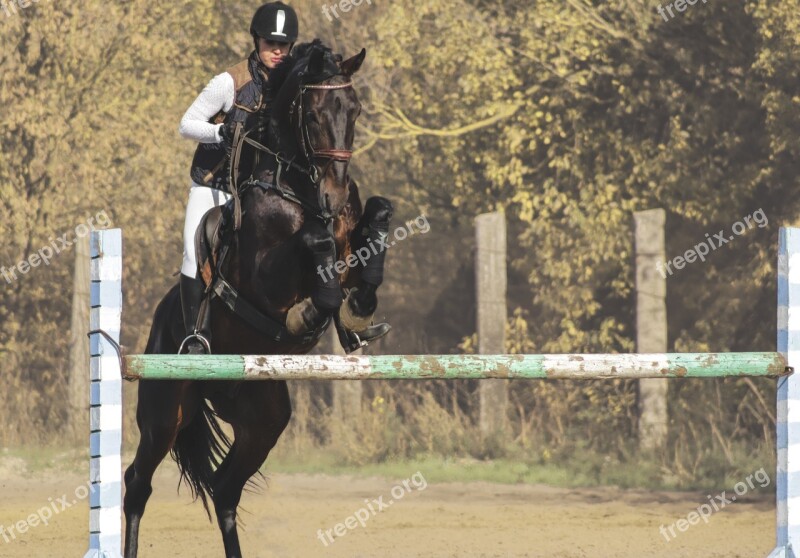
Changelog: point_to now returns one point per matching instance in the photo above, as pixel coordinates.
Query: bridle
(311, 154)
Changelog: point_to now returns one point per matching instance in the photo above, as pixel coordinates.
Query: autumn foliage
(568, 115)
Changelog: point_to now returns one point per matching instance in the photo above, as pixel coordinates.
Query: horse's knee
(317, 239)
(320, 244)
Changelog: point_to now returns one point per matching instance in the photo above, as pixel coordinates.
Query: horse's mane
(299, 55)
(279, 75)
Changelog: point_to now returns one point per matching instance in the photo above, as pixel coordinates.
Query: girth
(261, 322)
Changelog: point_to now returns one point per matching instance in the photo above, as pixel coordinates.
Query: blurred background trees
(566, 115)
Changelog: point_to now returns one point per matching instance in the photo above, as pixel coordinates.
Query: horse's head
(312, 111)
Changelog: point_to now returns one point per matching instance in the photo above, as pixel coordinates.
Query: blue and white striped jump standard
(105, 422)
(788, 412)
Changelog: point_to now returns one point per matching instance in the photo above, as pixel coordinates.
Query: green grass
(579, 470)
(36, 459)
(444, 469)
(320, 461)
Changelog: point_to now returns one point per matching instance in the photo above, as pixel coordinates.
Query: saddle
(209, 239)
(215, 232)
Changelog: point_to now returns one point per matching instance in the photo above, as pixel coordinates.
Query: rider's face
(271, 52)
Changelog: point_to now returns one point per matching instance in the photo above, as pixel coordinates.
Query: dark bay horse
(273, 263)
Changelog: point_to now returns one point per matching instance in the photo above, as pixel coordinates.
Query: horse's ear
(316, 62)
(351, 65)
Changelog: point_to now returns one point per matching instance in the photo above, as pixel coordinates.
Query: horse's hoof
(295, 320)
(374, 332)
(350, 320)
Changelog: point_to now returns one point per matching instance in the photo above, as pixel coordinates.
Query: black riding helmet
(274, 22)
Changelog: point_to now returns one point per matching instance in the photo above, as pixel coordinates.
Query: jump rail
(450, 367)
(108, 370)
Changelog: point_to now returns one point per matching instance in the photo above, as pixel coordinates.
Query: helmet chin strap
(258, 51)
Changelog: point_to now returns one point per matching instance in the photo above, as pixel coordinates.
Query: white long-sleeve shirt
(218, 95)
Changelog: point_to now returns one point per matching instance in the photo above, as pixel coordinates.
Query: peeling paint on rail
(426, 367)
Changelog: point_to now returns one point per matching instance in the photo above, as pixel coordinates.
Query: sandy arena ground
(444, 519)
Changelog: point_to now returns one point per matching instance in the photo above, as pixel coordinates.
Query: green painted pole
(426, 367)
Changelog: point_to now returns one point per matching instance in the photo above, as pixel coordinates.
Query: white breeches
(201, 199)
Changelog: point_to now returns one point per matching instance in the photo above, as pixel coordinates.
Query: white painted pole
(105, 398)
(788, 417)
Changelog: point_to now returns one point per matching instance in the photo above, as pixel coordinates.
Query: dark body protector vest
(210, 166)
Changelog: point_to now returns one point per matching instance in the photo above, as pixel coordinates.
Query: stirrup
(352, 341)
(374, 332)
(349, 340)
(203, 341)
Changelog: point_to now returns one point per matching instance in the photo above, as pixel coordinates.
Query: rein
(309, 152)
(321, 209)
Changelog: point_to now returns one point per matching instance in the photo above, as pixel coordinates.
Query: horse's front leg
(369, 240)
(317, 251)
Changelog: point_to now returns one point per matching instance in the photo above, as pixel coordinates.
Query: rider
(228, 99)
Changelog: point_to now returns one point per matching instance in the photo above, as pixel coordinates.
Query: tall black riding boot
(197, 341)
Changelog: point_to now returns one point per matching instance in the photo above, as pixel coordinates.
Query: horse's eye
(311, 117)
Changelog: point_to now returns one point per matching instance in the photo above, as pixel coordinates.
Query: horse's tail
(199, 449)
